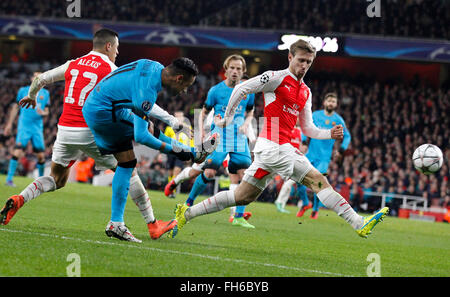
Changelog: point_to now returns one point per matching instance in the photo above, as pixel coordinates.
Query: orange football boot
(12, 205)
(159, 227)
(302, 210)
(169, 188)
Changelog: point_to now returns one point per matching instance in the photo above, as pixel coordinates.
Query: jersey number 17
(84, 91)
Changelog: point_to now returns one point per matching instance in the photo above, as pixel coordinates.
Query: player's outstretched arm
(143, 136)
(46, 78)
(307, 125)
(162, 115)
(347, 138)
(159, 141)
(12, 116)
(248, 119)
(266, 82)
(240, 91)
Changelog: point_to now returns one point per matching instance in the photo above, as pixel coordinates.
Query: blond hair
(235, 57)
(302, 45)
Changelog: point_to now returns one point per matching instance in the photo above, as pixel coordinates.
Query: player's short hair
(330, 94)
(302, 45)
(235, 57)
(103, 36)
(184, 66)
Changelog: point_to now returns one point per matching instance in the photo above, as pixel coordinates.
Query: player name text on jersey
(91, 63)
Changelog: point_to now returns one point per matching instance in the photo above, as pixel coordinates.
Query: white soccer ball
(428, 158)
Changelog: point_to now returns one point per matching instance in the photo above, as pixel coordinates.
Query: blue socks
(301, 192)
(120, 187)
(199, 186)
(239, 212)
(317, 203)
(11, 168)
(41, 167)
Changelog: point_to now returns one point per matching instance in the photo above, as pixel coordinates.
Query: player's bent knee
(236, 168)
(60, 174)
(209, 173)
(129, 164)
(246, 193)
(60, 180)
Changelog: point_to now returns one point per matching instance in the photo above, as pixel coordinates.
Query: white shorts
(71, 143)
(272, 159)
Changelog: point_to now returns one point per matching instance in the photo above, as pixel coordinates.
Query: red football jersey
(81, 76)
(296, 138)
(282, 105)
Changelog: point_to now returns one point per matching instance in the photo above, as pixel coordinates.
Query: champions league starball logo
(442, 53)
(171, 35)
(146, 105)
(25, 27)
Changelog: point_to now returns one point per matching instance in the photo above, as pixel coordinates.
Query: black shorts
(173, 161)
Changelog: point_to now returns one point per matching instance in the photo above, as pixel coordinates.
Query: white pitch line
(215, 258)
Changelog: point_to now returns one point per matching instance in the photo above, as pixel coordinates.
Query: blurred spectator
(391, 202)
(356, 196)
(143, 169)
(434, 196)
(158, 177)
(343, 188)
(84, 169)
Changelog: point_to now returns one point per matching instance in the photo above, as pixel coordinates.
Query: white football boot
(207, 147)
(120, 231)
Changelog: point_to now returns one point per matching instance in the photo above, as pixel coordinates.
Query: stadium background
(391, 74)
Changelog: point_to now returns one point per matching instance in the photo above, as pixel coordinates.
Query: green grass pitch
(38, 241)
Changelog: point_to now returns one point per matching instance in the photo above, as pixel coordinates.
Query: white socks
(40, 185)
(182, 176)
(216, 203)
(285, 192)
(233, 208)
(140, 197)
(332, 200)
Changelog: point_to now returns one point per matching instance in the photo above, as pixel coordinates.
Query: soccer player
(234, 142)
(286, 97)
(175, 165)
(75, 138)
(320, 150)
(30, 128)
(117, 111)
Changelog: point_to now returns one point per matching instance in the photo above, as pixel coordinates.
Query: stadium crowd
(409, 18)
(178, 12)
(387, 122)
(413, 18)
